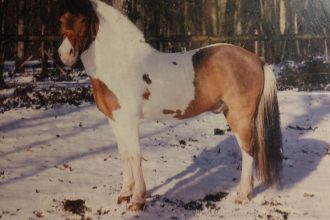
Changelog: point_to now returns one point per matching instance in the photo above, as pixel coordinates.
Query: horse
(133, 81)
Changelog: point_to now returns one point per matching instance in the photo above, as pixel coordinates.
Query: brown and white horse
(131, 80)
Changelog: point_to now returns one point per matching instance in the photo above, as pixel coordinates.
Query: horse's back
(228, 72)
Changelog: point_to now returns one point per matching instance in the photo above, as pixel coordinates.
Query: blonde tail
(268, 137)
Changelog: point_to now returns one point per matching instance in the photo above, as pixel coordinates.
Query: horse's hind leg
(244, 192)
(242, 126)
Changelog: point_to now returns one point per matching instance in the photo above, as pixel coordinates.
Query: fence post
(295, 29)
(282, 16)
(20, 29)
(256, 46)
(44, 71)
(326, 54)
(2, 16)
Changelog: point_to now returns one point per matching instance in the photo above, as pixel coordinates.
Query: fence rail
(183, 38)
(27, 38)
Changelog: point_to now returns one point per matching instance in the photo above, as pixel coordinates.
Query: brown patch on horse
(168, 112)
(227, 78)
(206, 83)
(146, 78)
(146, 94)
(177, 113)
(106, 101)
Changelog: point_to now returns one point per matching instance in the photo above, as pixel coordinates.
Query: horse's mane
(76, 7)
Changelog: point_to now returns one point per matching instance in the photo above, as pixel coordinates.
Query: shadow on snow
(219, 168)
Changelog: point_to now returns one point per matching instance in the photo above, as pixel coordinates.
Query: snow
(7, 92)
(69, 153)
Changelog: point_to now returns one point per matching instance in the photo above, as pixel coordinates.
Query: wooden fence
(274, 29)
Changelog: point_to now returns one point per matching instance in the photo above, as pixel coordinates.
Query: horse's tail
(267, 130)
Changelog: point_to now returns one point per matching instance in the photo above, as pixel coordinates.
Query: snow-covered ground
(51, 157)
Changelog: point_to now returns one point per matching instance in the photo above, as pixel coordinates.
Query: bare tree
(20, 29)
(222, 5)
(282, 16)
(2, 24)
(232, 21)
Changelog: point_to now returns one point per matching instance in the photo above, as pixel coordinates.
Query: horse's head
(78, 26)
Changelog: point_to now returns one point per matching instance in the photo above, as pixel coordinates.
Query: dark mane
(76, 7)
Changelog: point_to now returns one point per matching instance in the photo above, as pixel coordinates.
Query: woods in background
(274, 29)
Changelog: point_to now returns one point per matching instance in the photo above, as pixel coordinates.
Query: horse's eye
(85, 21)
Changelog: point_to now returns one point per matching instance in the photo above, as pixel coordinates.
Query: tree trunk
(232, 23)
(2, 16)
(295, 29)
(20, 30)
(237, 20)
(222, 15)
(326, 53)
(214, 18)
(282, 16)
(207, 14)
(44, 69)
(256, 43)
(203, 19)
(186, 23)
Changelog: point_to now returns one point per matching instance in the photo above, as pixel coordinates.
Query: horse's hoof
(135, 207)
(242, 199)
(122, 199)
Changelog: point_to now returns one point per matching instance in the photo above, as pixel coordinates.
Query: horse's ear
(90, 20)
(61, 6)
(86, 21)
(94, 29)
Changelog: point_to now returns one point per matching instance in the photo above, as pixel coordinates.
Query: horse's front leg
(127, 134)
(128, 180)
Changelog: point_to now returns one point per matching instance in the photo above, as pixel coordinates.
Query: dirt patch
(300, 128)
(36, 98)
(208, 202)
(77, 207)
(218, 131)
(215, 197)
(146, 78)
(284, 214)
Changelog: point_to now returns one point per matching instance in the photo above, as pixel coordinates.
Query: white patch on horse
(88, 59)
(244, 192)
(176, 81)
(67, 53)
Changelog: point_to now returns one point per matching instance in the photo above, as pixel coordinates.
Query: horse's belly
(170, 85)
(169, 102)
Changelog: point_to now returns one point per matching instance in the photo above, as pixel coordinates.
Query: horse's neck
(118, 32)
(119, 45)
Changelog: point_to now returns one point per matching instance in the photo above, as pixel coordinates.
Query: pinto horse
(131, 81)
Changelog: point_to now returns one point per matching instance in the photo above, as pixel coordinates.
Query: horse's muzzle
(67, 53)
